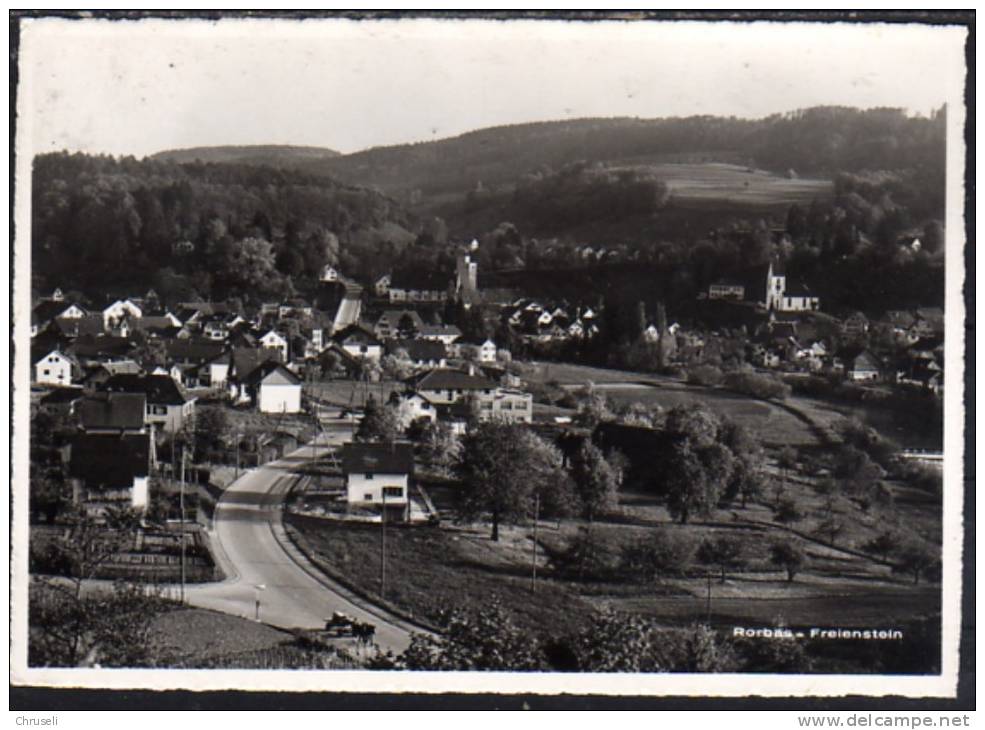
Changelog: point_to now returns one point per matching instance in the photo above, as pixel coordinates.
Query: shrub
(663, 552)
(756, 385)
(786, 512)
(707, 375)
(587, 556)
(726, 552)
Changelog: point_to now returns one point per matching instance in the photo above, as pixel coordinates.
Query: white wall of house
(800, 304)
(279, 398)
(487, 351)
(140, 493)
(218, 374)
(368, 488)
(53, 369)
(117, 309)
(274, 341)
(168, 417)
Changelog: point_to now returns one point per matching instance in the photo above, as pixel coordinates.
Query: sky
(137, 87)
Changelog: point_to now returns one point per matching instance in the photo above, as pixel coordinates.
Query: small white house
(382, 285)
(55, 368)
(329, 273)
(487, 352)
(378, 474)
(273, 340)
(274, 388)
(115, 312)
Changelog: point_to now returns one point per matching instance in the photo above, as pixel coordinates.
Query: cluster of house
(199, 345)
(911, 350)
(536, 321)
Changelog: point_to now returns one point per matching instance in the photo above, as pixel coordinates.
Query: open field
(774, 424)
(433, 569)
(734, 184)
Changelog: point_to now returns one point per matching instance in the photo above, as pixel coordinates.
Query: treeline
(819, 141)
(100, 224)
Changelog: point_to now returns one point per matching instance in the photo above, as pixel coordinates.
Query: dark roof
(356, 333)
(434, 330)
(109, 461)
(159, 389)
(246, 359)
(392, 317)
(264, 369)
(48, 310)
(419, 350)
(427, 280)
(193, 351)
(62, 395)
(90, 324)
(447, 379)
(113, 410)
(377, 458)
(866, 360)
(798, 289)
(102, 346)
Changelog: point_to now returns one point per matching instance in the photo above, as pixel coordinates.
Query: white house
(54, 368)
(359, 342)
(273, 340)
(378, 475)
(329, 273)
(274, 388)
(487, 352)
(108, 469)
(864, 367)
(446, 333)
(115, 312)
(382, 285)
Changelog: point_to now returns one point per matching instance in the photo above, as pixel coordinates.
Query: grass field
(735, 185)
(774, 424)
(350, 393)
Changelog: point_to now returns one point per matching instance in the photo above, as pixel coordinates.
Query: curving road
(253, 550)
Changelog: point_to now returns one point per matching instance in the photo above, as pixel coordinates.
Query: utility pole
(181, 502)
(383, 546)
(533, 575)
(708, 599)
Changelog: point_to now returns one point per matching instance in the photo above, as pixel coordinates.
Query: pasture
(735, 185)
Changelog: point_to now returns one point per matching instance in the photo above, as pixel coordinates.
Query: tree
(442, 448)
(593, 408)
(688, 487)
(786, 512)
(596, 481)
(504, 466)
(884, 544)
(406, 329)
(916, 557)
(788, 555)
(379, 423)
(486, 640)
(725, 551)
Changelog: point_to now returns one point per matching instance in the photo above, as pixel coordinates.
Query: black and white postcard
(449, 354)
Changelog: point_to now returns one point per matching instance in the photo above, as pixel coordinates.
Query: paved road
(254, 551)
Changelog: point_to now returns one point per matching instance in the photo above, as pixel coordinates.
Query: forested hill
(104, 225)
(274, 155)
(818, 142)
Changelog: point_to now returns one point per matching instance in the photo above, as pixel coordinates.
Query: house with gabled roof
(358, 341)
(865, 366)
(113, 413)
(273, 340)
(272, 388)
(420, 353)
(389, 323)
(379, 475)
(55, 367)
(49, 310)
(168, 407)
(108, 469)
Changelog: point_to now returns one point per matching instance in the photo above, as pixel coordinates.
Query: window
(368, 497)
(47, 372)
(393, 492)
(369, 475)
